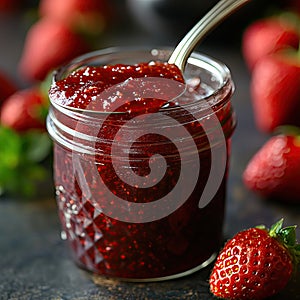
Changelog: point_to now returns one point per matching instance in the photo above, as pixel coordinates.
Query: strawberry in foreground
(274, 171)
(275, 90)
(49, 43)
(256, 263)
(268, 36)
(24, 110)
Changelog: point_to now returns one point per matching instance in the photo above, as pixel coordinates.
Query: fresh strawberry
(266, 36)
(256, 263)
(274, 170)
(24, 110)
(7, 87)
(88, 16)
(49, 43)
(275, 90)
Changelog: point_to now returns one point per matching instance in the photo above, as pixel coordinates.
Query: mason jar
(141, 196)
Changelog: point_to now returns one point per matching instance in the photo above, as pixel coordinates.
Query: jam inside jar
(141, 161)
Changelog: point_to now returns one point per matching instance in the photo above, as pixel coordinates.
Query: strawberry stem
(287, 237)
(288, 129)
(275, 228)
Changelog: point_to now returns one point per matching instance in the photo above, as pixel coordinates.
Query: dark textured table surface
(34, 261)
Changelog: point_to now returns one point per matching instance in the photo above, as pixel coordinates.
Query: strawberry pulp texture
(173, 244)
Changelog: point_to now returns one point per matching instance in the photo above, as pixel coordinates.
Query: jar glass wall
(142, 197)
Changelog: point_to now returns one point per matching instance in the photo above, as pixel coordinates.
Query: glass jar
(142, 197)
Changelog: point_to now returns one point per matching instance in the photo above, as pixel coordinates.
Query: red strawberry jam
(116, 134)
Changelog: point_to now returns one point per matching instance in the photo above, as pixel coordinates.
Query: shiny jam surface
(178, 242)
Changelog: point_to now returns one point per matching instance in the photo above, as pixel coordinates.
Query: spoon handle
(218, 13)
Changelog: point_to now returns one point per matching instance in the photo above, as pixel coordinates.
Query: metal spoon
(217, 14)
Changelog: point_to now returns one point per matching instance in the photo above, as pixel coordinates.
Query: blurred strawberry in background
(266, 36)
(86, 16)
(275, 90)
(48, 44)
(274, 171)
(24, 110)
(64, 30)
(271, 51)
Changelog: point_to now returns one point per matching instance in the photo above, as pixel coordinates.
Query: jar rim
(197, 59)
(66, 122)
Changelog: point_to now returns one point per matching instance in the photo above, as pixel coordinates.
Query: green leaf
(275, 228)
(21, 157)
(288, 235)
(10, 148)
(36, 146)
(288, 130)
